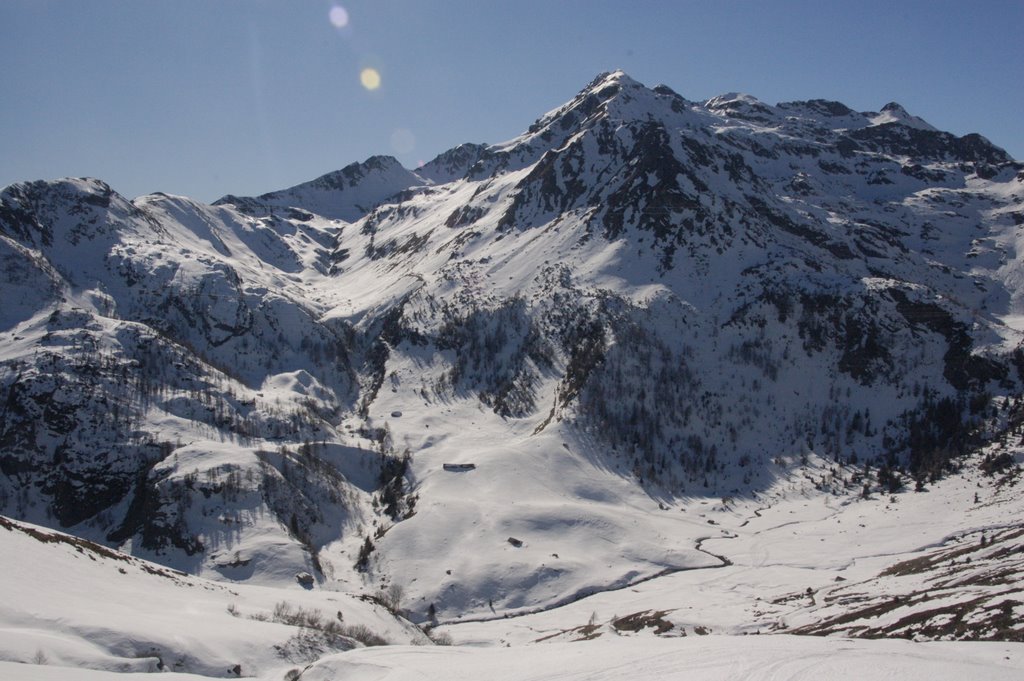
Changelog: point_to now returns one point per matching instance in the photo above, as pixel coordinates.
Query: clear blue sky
(209, 97)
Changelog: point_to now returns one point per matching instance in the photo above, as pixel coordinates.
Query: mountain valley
(654, 370)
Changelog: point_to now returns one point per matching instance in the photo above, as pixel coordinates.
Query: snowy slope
(346, 195)
(634, 325)
(87, 608)
(799, 561)
(82, 606)
(710, 658)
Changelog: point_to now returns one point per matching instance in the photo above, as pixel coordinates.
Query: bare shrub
(286, 613)
(364, 635)
(440, 638)
(391, 598)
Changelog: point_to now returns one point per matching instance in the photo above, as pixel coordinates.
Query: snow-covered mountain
(347, 194)
(489, 380)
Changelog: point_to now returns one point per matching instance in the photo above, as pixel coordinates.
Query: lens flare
(370, 78)
(403, 141)
(338, 16)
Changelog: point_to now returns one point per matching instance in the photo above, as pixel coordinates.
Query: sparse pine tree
(363, 561)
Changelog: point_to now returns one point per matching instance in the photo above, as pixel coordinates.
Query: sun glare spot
(338, 16)
(370, 78)
(403, 141)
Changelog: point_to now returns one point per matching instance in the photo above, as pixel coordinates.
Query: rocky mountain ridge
(681, 299)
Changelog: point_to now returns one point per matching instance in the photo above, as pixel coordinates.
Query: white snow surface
(72, 611)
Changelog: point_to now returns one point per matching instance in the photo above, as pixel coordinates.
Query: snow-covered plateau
(658, 389)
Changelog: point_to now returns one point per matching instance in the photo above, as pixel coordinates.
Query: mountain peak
(895, 113)
(604, 88)
(732, 99)
(452, 164)
(741, 105)
(616, 77)
(345, 194)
